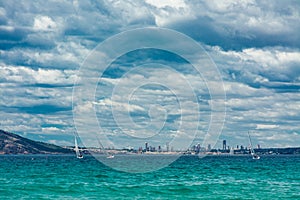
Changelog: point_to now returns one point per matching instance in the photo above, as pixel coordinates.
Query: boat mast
(76, 146)
(250, 141)
(254, 155)
(78, 153)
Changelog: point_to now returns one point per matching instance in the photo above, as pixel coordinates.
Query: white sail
(77, 151)
(253, 154)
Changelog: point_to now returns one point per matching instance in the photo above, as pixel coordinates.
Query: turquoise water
(65, 177)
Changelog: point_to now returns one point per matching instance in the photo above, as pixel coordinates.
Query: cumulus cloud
(254, 44)
(44, 23)
(222, 23)
(266, 126)
(27, 75)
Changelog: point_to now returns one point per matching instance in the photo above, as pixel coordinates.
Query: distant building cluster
(195, 149)
(148, 148)
(226, 149)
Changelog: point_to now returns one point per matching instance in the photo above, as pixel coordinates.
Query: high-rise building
(140, 149)
(198, 147)
(146, 146)
(167, 145)
(208, 147)
(224, 144)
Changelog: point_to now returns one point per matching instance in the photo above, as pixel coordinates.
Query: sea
(189, 177)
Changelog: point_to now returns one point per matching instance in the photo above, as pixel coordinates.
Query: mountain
(11, 143)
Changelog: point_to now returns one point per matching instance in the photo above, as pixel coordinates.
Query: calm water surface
(65, 177)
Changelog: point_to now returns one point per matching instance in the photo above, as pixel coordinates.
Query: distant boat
(108, 155)
(77, 151)
(253, 154)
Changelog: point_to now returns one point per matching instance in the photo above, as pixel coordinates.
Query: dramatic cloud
(236, 25)
(255, 45)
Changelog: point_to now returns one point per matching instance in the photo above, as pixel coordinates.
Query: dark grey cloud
(238, 25)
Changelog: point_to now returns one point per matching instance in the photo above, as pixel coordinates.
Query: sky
(144, 95)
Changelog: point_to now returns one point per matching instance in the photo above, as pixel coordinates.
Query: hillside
(11, 143)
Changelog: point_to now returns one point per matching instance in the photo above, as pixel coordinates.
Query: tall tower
(146, 146)
(224, 144)
(208, 147)
(167, 145)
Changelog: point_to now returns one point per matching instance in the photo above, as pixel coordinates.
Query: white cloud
(27, 75)
(120, 106)
(50, 130)
(164, 3)
(267, 66)
(266, 126)
(44, 23)
(7, 28)
(271, 58)
(168, 12)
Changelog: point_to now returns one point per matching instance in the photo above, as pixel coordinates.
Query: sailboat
(253, 154)
(109, 156)
(77, 151)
